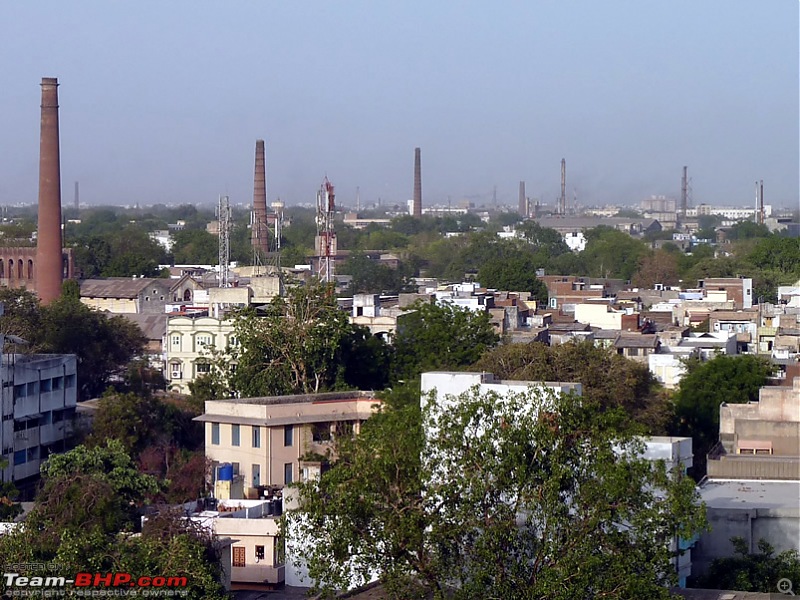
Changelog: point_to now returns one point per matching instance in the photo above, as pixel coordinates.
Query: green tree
(296, 347)
(192, 246)
(502, 499)
(706, 385)
(756, 572)
(103, 345)
(439, 337)
(609, 381)
(84, 515)
(371, 277)
(747, 230)
(516, 273)
(612, 253)
(9, 507)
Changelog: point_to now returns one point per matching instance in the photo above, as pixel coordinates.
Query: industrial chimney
(523, 201)
(417, 205)
(49, 269)
(259, 229)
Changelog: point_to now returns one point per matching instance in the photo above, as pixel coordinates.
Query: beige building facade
(189, 344)
(274, 441)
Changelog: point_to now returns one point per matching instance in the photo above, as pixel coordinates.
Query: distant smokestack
(49, 269)
(77, 197)
(417, 206)
(761, 216)
(685, 191)
(523, 202)
(562, 203)
(258, 232)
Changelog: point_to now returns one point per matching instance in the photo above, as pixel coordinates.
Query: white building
(575, 241)
(39, 395)
(674, 451)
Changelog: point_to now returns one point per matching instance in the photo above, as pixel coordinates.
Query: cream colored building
(189, 344)
(273, 441)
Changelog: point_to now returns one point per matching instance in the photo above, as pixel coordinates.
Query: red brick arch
(18, 267)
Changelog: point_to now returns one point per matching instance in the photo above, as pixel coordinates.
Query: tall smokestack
(258, 232)
(523, 203)
(685, 191)
(417, 206)
(49, 270)
(562, 203)
(77, 197)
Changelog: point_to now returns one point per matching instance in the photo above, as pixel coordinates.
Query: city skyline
(163, 103)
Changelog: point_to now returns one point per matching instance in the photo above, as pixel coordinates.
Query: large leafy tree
(706, 385)
(608, 380)
(439, 337)
(102, 344)
(298, 345)
(195, 246)
(532, 496)
(612, 253)
(86, 511)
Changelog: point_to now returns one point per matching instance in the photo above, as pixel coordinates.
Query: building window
(234, 435)
(259, 552)
(321, 432)
(203, 340)
(256, 475)
(238, 556)
(256, 436)
(288, 435)
(203, 368)
(175, 371)
(215, 434)
(176, 341)
(288, 472)
(20, 457)
(47, 385)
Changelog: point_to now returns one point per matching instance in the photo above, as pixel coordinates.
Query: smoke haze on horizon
(162, 102)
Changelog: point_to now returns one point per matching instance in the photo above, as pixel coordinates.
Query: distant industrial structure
(259, 229)
(325, 243)
(417, 200)
(523, 201)
(562, 201)
(49, 266)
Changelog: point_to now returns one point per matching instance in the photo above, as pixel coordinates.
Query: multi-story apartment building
(37, 406)
(190, 341)
(274, 441)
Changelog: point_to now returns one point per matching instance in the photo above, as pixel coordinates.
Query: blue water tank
(226, 472)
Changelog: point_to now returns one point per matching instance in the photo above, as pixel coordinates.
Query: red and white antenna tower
(326, 236)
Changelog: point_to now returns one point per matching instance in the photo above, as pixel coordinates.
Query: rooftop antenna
(326, 237)
(224, 220)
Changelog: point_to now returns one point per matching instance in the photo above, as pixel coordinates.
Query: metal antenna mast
(326, 237)
(224, 219)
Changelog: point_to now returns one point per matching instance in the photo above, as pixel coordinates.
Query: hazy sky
(162, 101)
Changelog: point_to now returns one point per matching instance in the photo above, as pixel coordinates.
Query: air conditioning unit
(176, 375)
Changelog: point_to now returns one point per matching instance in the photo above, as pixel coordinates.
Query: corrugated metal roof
(119, 287)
